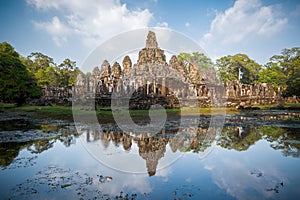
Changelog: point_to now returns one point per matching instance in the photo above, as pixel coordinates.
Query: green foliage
(164, 57)
(230, 67)
(37, 60)
(23, 77)
(68, 73)
(73, 76)
(242, 139)
(17, 84)
(53, 76)
(43, 68)
(199, 67)
(48, 74)
(289, 65)
(184, 57)
(238, 138)
(196, 58)
(273, 74)
(226, 70)
(7, 49)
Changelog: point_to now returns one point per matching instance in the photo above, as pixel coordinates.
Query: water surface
(254, 156)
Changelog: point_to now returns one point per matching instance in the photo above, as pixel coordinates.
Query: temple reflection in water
(197, 137)
(239, 133)
(153, 148)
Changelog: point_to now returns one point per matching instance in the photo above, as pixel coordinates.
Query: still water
(254, 156)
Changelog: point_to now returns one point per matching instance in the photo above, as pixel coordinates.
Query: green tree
(231, 67)
(17, 84)
(53, 76)
(196, 58)
(39, 61)
(68, 72)
(200, 68)
(226, 70)
(43, 69)
(272, 74)
(7, 49)
(289, 62)
(50, 77)
(73, 75)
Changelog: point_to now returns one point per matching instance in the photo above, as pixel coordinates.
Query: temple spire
(151, 40)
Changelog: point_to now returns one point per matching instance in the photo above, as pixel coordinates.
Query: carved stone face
(116, 70)
(105, 69)
(126, 64)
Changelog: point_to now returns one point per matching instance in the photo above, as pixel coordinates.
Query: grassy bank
(291, 106)
(68, 111)
(105, 113)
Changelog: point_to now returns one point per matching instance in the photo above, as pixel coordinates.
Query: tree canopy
(273, 74)
(282, 70)
(17, 84)
(204, 65)
(196, 58)
(23, 78)
(288, 63)
(238, 67)
(48, 74)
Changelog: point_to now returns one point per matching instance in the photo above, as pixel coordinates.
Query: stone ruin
(251, 94)
(54, 95)
(201, 86)
(148, 79)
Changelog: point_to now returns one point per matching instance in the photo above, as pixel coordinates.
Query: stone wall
(251, 94)
(54, 95)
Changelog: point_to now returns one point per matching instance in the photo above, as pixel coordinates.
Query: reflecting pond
(254, 156)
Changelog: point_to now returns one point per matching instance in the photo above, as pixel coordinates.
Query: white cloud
(245, 19)
(164, 172)
(209, 167)
(42, 4)
(92, 20)
(56, 29)
(187, 24)
(236, 173)
(162, 24)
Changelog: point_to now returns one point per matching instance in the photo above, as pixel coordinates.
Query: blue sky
(72, 29)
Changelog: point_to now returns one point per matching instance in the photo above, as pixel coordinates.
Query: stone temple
(152, 80)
